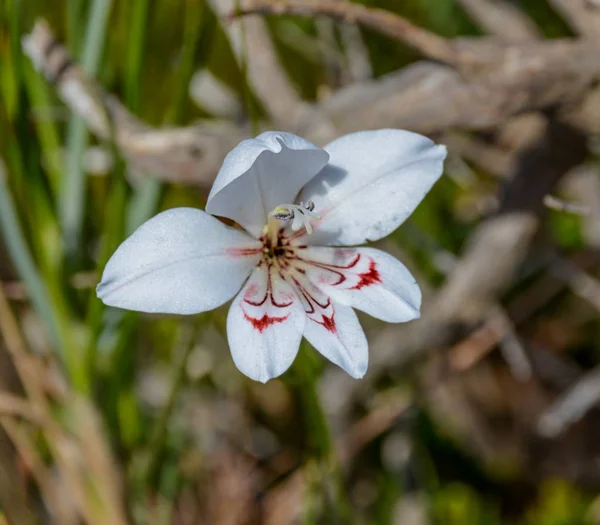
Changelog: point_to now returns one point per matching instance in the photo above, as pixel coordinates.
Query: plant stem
(331, 483)
(159, 430)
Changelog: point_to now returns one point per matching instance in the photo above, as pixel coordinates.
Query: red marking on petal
(253, 289)
(250, 293)
(369, 277)
(328, 322)
(335, 269)
(264, 322)
(242, 252)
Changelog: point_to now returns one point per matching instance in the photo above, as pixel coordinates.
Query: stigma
(300, 215)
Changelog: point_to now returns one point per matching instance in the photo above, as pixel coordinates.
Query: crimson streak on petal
(264, 322)
(371, 276)
(328, 322)
(315, 308)
(268, 294)
(241, 252)
(262, 319)
(335, 269)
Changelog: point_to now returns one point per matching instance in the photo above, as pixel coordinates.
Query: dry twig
(193, 154)
(571, 405)
(502, 19)
(252, 44)
(430, 44)
(81, 457)
(496, 81)
(582, 15)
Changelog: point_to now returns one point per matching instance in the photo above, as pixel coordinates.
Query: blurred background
(484, 411)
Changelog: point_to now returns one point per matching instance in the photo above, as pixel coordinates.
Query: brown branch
(572, 405)
(392, 25)
(501, 19)
(582, 15)
(283, 504)
(424, 97)
(491, 158)
(494, 252)
(429, 98)
(193, 154)
(252, 44)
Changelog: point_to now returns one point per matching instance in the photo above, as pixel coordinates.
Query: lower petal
(333, 329)
(337, 335)
(265, 325)
(364, 278)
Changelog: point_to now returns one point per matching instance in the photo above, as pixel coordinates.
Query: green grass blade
(74, 16)
(72, 196)
(22, 259)
(136, 43)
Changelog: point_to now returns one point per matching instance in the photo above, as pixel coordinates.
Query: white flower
(293, 283)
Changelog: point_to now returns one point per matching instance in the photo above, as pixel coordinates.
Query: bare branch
(571, 405)
(575, 208)
(252, 43)
(356, 50)
(518, 79)
(583, 185)
(582, 15)
(498, 329)
(491, 158)
(581, 283)
(429, 98)
(283, 505)
(425, 97)
(493, 254)
(501, 19)
(192, 154)
(392, 25)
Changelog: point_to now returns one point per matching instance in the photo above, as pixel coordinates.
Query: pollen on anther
(301, 215)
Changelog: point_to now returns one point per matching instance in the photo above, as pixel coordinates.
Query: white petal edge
(265, 325)
(182, 261)
(341, 339)
(261, 173)
(373, 182)
(364, 278)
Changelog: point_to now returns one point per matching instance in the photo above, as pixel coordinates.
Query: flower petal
(182, 261)
(364, 278)
(265, 325)
(262, 173)
(373, 182)
(332, 328)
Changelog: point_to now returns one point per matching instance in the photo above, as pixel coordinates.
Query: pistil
(272, 233)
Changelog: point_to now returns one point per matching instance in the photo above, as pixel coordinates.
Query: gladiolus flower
(292, 265)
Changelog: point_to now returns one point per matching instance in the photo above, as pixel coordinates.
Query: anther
(300, 215)
(282, 214)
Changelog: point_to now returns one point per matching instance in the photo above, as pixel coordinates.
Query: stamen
(300, 215)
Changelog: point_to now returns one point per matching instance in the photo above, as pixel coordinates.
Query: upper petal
(265, 325)
(364, 278)
(182, 261)
(373, 182)
(261, 173)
